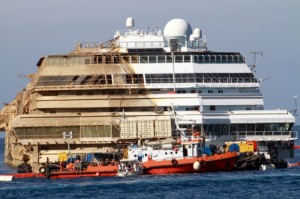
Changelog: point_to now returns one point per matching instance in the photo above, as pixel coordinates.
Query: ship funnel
(129, 22)
(197, 33)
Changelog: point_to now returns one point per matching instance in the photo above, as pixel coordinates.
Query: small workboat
(79, 170)
(129, 167)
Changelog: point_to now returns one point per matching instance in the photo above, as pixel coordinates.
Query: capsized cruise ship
(138, 86)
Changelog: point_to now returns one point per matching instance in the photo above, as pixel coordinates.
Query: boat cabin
(185, 147)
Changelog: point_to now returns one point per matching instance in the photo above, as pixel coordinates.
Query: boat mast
(255, 53)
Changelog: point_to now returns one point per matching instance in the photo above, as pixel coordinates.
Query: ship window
(260, 127)
(241, 127)
(233, 129)
(236, 58)
(128, 79)
(195, 57)
(250, 127)
(213, 58)
(202, 77)
(181, 91)
(169, 59)
(166, 153)
(201, 59)
(199, 77)
(224, 58)
(210, 91)
(212, 108)
(116, 59)
(220, 91)
(135, 155)
(270, 127)
(152, 59)
(98, 60)
(178, 58)
(187, 58)
(109, 79)
(248, 108)
(146, 154)
(199, 91)
(125, 59)
(161, 58)
(171, 153)
(134, 59)
(206, 58)
(143, 59)
(138, 78)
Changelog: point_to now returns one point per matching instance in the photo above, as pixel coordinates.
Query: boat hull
(91, 171)
(218, 162)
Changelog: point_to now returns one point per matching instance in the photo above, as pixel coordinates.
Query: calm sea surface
(280, 183)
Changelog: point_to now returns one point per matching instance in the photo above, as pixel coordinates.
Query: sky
(31, 29)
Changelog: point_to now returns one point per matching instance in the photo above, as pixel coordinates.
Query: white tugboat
(129, 167)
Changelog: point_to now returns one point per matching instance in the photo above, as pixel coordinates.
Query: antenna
(296, 106)
(255, 53)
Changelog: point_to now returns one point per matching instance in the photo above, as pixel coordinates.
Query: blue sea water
(279, 183)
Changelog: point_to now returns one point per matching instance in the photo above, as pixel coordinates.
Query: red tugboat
(183, 157)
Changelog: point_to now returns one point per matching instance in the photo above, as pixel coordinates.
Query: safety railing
(265, 135)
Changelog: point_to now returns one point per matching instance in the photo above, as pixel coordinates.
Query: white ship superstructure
(126, 89)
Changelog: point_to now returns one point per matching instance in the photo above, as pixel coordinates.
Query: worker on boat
(61, 166)
(77, 165)
(70, 166)
(127, 168)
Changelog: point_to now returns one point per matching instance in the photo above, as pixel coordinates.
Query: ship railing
(142, 32)
(209, 137)
(266, 135)
(90, 45)
(200, 80)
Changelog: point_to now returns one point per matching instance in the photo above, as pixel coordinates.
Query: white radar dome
(177, 28)
(197, 33)
(129, 22)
